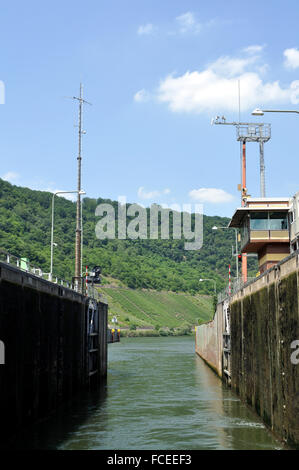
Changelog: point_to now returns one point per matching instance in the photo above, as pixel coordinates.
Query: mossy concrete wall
(264, 323)
(44, 329)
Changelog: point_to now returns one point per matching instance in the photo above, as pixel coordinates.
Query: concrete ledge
(18, 276)
(279, 271)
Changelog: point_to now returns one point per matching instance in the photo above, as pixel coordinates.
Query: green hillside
(143, 309)
(25, 226)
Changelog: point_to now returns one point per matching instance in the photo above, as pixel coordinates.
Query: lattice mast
(249, 132)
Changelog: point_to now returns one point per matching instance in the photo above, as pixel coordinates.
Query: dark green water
(159, 395)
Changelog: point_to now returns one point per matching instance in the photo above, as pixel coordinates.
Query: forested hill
(25, 226)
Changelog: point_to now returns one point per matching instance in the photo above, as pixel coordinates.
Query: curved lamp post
(212, 280)
(236, 237)
(260, 112)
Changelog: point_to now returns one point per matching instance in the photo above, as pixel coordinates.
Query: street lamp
(212, 280)
(236, 238)
(260, 112)
(52, 225)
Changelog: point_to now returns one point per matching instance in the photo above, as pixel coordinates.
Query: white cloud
(141, 96)
(291, 58)
(215, 88)
(11, 176)
(188, 24)
(143, 194)
(253, 49)
(210, 195)
(145, 29)
(230, 66)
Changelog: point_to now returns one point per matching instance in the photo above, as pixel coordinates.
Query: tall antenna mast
(78, 258)
(239, 93)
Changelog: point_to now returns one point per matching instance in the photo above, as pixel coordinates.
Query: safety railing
(25, 265)
(236, 285)
(95, 294)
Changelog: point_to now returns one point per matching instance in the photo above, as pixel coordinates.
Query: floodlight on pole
(236, 249)
(260, 112)
(250, 132)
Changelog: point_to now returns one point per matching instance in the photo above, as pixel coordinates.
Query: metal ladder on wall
(226, 342)
(93, 339)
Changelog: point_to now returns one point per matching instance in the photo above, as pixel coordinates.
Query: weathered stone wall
(208, 341)
(263, 326)
(44, 329)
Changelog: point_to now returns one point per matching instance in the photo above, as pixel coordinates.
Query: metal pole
(236, 254)
(211, 280)
(262, 169)
(78, 272)
(86, 283)
(52, 238)
(52, 227)
(243, 188)
(279, 111)
(241, 166)
(81, 263)
(78, 245)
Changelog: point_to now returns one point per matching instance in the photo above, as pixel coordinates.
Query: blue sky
(156, 73)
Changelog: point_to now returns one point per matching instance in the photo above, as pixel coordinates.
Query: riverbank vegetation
(25, 227)
(141, 312)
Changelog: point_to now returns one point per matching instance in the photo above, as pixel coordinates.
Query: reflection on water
(159, 395)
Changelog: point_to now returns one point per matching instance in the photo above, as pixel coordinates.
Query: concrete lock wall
(44, 329)
(208, 342)
(263, 326)
(264, 322)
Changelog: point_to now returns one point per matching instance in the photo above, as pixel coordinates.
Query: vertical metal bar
(81, 260)
(52, 238)
(262, 169)
(86, 284)
(78, 215)
(243, 189)
(236, 254)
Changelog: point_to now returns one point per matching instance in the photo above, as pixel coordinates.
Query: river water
(159, 395)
